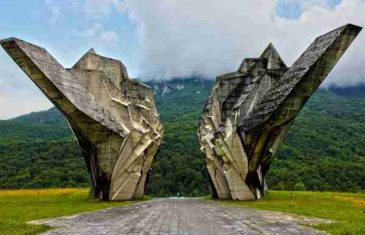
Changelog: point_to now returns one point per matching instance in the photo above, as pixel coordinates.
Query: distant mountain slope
(179, 96)
(45, 125)
(350, 91)
(51, 115)
(325, 148)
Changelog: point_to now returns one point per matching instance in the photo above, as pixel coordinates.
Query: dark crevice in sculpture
(250, 111)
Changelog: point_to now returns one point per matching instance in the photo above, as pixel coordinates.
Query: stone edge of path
(47, 220)
(299, 219)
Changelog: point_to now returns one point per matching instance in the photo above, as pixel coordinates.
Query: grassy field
(19, 206)
(347, 209)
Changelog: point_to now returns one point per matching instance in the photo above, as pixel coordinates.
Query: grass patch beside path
(20, 206)
(347, 209)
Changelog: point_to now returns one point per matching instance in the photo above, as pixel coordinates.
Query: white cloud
(182, 38)
(98, 37)
(89, 32)
(98, 8)
(92, 8)
(89, 17)
(55, 11)
(209, 37)
(110, 38)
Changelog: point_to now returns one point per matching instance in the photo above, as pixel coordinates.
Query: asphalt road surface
(181, 216)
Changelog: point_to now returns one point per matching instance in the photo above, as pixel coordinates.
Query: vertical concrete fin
(103, 107)
(260, 110)
(57, 83)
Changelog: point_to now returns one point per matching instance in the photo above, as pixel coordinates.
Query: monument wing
(250, 111)
(285, 100)
(113, 117)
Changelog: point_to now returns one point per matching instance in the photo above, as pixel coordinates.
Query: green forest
(325, 148)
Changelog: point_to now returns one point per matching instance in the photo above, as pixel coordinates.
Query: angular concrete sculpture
(249, 112)
(114, 118)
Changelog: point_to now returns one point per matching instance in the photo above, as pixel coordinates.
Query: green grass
(20, 206)
(346, 209)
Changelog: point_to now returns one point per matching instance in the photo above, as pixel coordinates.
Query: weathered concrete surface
(182, 216)
(113, 117)
(249, 112)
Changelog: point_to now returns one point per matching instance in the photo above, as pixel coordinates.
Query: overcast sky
(164, 39)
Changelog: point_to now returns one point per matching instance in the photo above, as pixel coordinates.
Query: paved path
(181, 216)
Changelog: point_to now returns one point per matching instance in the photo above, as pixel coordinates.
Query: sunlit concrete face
(249, 112)
(113, 117)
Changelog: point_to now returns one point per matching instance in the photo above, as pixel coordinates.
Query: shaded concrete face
(113, 117)
(249, 112)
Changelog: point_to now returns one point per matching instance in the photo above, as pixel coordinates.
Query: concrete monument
(250, 111)
(113, 117)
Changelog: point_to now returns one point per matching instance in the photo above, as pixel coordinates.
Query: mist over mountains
(355, 91)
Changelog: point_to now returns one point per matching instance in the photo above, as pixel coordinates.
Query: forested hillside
(38, 150)
(325, 148)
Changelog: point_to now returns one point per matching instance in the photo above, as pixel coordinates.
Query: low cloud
(97, 35)
(184, 38)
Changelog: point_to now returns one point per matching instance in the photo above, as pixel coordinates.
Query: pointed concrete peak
(91, 51)
(8, 40)
(274, 60)
(84, 57)
(270, 49)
